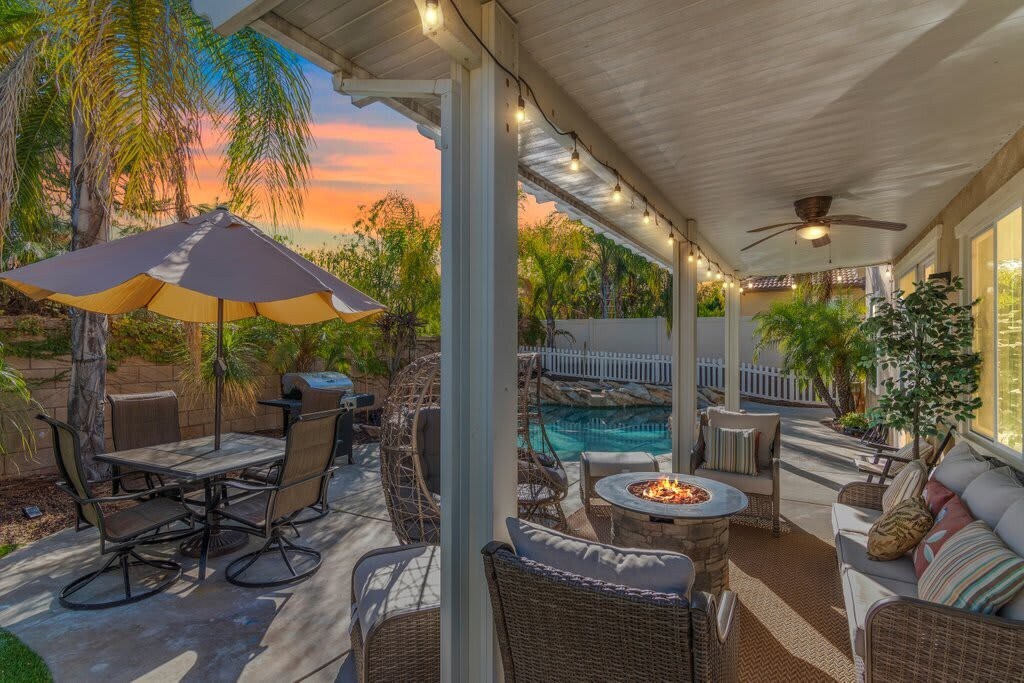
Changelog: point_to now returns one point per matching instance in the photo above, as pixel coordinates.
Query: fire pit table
(676, 512)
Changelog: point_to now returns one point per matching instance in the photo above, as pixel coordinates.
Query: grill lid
(294, 383)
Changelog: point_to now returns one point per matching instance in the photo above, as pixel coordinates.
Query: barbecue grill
(293, 384)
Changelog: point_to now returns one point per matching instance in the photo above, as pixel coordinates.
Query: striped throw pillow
(906, 485)
(731, 450)
(973, 570)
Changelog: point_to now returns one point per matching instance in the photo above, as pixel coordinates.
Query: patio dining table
(196, 460)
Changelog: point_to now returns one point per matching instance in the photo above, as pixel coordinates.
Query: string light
(431, 13)
(647, 217)
(741, 289)
(699, 259)
(718, 275)
(690, 257)
(617, 192)
(710, 274)
(574, 160)
(521, 110)
(671, 236)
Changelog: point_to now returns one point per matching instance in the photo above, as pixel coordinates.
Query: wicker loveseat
(894, 635)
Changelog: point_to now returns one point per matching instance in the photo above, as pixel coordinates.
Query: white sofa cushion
(655, 570)
(852, 549)
(960, 467)
(852, 518)
(760, 484)
(991, 494)
(860, 592)
(1011, 531)
(398, 582)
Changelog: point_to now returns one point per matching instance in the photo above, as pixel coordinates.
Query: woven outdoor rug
(792, 621)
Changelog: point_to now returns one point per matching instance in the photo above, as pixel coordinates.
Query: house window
(995, 281)
(916, 273)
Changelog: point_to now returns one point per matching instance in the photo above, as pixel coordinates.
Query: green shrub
(857, 421)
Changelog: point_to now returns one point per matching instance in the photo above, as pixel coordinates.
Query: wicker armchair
(614, 634)
(410, 451)
(762, 491)
(907, 639)
(137, 421)
(543, 483)
(270, 509)
(120, 532)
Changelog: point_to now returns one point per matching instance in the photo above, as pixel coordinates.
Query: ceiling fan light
(812, 231)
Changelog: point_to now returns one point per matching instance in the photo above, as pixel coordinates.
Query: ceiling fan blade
(763, 239)
(865, 222)
(821, 241)
(777, 225)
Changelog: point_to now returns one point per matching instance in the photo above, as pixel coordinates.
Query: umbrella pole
(219, 370)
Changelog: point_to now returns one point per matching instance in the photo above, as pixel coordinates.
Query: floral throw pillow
(953, 517)
(897, 531)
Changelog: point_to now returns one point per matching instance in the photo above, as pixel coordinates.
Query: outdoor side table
(195, 460)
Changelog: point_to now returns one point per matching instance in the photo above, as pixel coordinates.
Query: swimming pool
(572, 430)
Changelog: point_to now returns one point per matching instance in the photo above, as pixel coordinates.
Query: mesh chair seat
(251, 510)
(146, 516)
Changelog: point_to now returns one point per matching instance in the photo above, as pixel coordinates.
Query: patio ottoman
(596, 465)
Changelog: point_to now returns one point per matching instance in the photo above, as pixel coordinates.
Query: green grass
(7, 548)
(18, 664)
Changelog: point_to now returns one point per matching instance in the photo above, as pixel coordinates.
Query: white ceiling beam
(329, 59)
(229, 16)
(392, 87)
(566, 115)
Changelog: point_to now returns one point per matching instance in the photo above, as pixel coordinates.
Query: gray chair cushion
(852, 549)
(429, 426)
(991, 494)
(960, 466)
(1011, 531)
(860, 592)
(760, 484)
(607, 463)
(765, 423)
(851, 518)
(655, 570)
(404, 580)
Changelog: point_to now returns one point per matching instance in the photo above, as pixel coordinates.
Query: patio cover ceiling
(731, 109)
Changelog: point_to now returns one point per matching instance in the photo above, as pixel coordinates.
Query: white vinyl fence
(756, 381)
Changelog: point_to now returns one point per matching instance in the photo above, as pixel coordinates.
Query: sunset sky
(358, 155)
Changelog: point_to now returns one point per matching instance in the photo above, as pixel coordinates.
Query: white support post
(478, 350)
(732, 348)
(684, 357)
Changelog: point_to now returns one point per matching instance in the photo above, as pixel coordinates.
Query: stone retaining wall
(609, 394)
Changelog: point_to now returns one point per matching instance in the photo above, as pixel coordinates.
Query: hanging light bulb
(690, 257)
(647, 216)
(521, 110)
(741, 289)
(617, 192)
(671, 237)
(574, 160)
(431, 12)
(710, 274)
(700, 260)
(718, 275)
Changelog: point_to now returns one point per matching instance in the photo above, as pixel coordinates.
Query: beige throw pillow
(899, 530)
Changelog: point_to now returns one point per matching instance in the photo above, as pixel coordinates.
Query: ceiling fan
(815, 224)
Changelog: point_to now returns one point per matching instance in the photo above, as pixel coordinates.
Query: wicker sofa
(894, 635)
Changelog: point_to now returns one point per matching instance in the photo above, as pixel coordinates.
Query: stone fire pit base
(705, 541)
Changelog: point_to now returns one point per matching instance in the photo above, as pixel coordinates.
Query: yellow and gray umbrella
(211, 268)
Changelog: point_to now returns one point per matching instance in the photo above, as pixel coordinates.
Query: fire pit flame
(665, 490)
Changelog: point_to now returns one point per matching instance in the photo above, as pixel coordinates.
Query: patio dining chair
(148, 520)
(137, 421)
(270, 509)
(543, 482)
(887, 461)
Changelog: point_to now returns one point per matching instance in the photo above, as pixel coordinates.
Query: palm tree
(549, 257)
(131, 85)
(820, 341)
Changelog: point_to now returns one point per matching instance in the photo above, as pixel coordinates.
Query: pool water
(572, 430)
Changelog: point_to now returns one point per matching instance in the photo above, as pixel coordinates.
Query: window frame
(1000, 204)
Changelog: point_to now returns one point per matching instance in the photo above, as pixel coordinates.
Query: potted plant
(925, 339)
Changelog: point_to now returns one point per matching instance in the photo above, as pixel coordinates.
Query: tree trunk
(90, 224)
(844, 390)
(822, 390)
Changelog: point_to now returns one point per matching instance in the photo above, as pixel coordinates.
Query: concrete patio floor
(214, 631)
